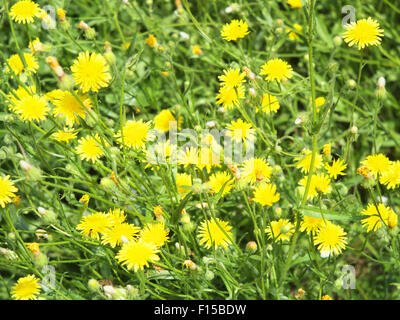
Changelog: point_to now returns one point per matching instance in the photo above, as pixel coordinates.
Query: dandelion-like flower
(119, 233)
(240, 130)
(270, 103)
(26, 288)
(94, 224)
(276, 69)
(90, 72)
(377, 214)
(137, 254)
(214, 233)
(295, 3)
(183, 182)
(134, 134)
(17, 66)
(25, 11)
(65, 135)
(330, 239)
(304, 162)
(377, 163)
(188, 156)
(218, 180)
(336, 168)
(229, 97)
(265, 194)
(311, 224)
(232, 78)
(234, 30)
(155, 233)
(319, 183)
(164, 120)
(68, 106)
(363, 33)
(391, 177)
(89, 149)
(255, 169)
(280, 230)
(7, 190)
(31, 108)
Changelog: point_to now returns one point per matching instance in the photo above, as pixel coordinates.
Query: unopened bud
(251, 246)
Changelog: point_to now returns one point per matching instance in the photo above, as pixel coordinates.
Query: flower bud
(209, 275)
(353, 130)
(337, 41)
(251, 246)
(93, 285)
(351, 83)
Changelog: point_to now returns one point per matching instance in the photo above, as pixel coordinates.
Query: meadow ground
(199, 149)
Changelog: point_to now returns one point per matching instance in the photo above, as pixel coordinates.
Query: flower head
(232, 78)
(336, 168)
(134, 134)
(89, 149)
(391, 177)
(276, 69)
(17, 66)
(164, 120)
(68, 106)
(256, 169)
(151, 41)
(304, 162)
(214, 233)
(319, 183)
(65, 135)
(218, 180)
(377, 214)
(7, 190)
(330, 238)
(363, 33)
(377, 163)
(31, 107)
(234, 30)
(25, 11)
(269, 103)
(94, 224)
(240, 130)
(229, 97)
(90, 72)
(119, 233)
(137, 254)
(265, 194)
(280, 230)
(295, 3)
(183, 181)
(26, 288)
(155, 233)
(311, 224)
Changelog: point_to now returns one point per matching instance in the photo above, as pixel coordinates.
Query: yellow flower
(188, 156)
(276, 69)
(158, 211)
(84, 199)
(19, 94)
(17, 66)
(31, 108)
(377, 163)
(90, 72)
(292, 32)
(65, 135)
(183, 180)
(326, 149)
(66, 105)
(336, 168)
(116, 216)
(217, 181)
(363, 33)
(215, 233)
(7, 190)
(35, 46)
(232, 78)
(26, 288)
(377, 215)
(155, 233)
(25, 11)
(164, 120)
(240, 130)
(255, 169)
(208, 158)
(94, 224)
(151, 40)
(330, 239)
(119, 233)
(134, 134)
(319, 183)
(197, 50)
(311, 224)
(269, 103)
(295, 3)
(320, 101)
(229, 97)
(265, 195)
(34, 248)
(304, 162)
(280, 230)
(391, 177)
(234, 30)
(137, 254)
(89, 149)
(326, 297)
